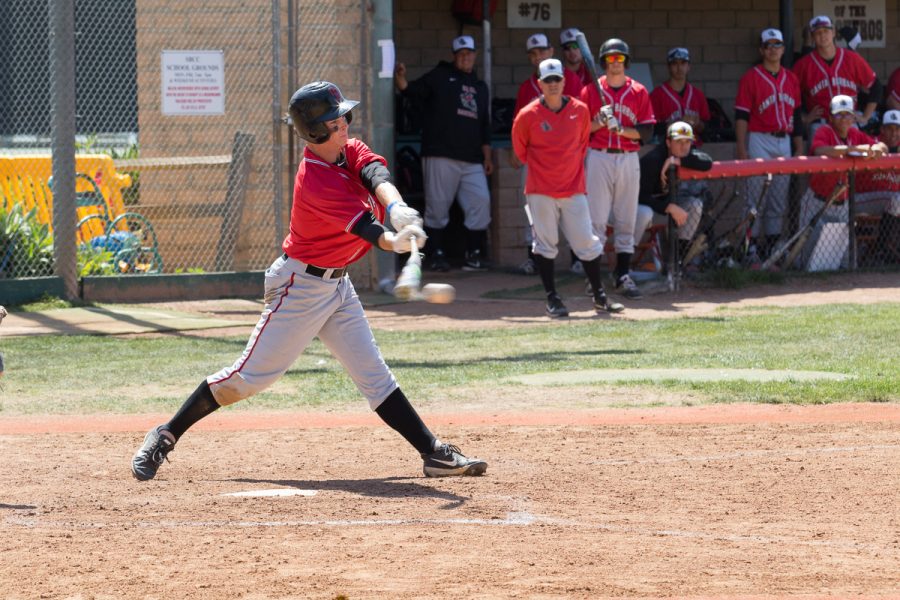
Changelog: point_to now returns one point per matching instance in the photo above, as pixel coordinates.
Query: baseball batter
(613, 169)
(767, 120)
(342, 194)
(550, 136)
(830, 71)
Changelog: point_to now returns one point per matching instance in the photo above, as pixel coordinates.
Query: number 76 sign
(522, 14)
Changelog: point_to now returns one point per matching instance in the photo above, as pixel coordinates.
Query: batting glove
(402, 239)
(402, 215)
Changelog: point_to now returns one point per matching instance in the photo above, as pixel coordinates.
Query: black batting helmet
(315, 104)
(615, 46)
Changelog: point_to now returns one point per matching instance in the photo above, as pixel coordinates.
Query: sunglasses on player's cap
(679, 130)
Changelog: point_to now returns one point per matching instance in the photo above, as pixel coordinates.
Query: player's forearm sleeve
(374, 174)
(368, 228)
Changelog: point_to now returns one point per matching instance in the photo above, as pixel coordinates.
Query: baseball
(438, 293)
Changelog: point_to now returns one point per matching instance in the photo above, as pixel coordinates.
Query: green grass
(84, 374)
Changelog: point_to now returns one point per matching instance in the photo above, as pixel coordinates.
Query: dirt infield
(720, 501)
(717, 501)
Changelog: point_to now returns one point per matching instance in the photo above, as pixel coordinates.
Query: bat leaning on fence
(708, 225)
(794, 245)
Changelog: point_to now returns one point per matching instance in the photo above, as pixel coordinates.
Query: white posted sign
(521, 14)
(193, 82)
(866, 16)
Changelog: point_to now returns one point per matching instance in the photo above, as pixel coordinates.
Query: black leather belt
(778, 134)
(613, 151)
(319, 271)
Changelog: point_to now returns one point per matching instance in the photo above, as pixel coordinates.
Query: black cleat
(151, 454)
(438, 262)
(602, 304)
(555, 307)
(626, 286)
(474, 261)
(448, 461)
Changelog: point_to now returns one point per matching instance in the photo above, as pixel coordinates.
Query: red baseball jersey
(553, 145)
(631, 107)
(529, 90)
(670, 106)
(823, 183)
(769, 100)
(820, 82)
(328, 202)
(893, 88)
(584, 76)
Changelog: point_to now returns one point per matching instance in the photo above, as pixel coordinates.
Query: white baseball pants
(299, 307)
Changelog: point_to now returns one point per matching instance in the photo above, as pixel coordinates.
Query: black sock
(592, 272)
(574, 258)
(623, 264)
(399, 414)
(545, 268)
(683, 247)
(198, 405)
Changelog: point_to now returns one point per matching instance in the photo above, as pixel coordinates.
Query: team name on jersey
(772, 98)
(625, 111)
(834, 81)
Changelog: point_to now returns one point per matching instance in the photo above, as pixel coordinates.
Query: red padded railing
(793, 165)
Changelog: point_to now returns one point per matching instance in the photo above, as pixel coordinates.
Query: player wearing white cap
(768, 125)
(550, 136)
(837, 139)
(831, 71)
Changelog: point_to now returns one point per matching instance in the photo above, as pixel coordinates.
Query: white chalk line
(744, 454)
(513, 519)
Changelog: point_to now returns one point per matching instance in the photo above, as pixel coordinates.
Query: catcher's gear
(315, 104)
(615, 46)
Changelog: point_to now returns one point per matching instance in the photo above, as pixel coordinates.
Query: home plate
(650, 374)
(271, 493)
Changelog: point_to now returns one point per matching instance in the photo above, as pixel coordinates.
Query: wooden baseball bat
(410, 280)
(796, 242)
(588, 59)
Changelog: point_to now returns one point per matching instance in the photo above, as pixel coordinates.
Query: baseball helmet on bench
(315, 104)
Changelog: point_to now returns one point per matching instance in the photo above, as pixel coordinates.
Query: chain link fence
(184, 161)
(795, 222)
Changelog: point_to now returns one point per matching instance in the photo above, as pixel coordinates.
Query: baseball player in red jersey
(342, 194)
(678, 100)
(837, 139)
(829, 71)
(539, 49)
(768, 125)
(571, 55)
(550, 136)
(878, 192)
(893, 90)
(613, 169)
